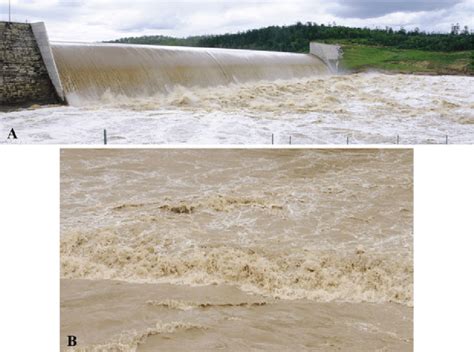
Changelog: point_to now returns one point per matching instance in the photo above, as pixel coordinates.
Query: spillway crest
(87, 71)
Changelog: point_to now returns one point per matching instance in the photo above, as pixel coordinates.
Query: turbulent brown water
(370, 108)
(88, 71)
(237, 249)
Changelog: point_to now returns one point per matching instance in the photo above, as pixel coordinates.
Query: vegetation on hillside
(159, 40)
(364, 48)
(295, 38)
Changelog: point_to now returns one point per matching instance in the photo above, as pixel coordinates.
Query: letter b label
(71, 340)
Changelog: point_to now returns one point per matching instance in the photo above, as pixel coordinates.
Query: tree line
(296, 38)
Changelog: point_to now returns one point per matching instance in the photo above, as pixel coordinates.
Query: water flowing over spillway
(88, 71)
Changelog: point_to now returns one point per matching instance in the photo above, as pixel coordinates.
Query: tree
(297, 37)
(455, 29)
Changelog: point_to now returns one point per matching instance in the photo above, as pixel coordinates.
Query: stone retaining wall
(24, 79)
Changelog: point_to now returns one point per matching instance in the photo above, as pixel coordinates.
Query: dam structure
(28, 74)
(78, 73)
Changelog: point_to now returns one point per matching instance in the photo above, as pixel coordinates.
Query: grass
(363, 58)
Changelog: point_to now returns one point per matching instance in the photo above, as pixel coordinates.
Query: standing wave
(326, 276)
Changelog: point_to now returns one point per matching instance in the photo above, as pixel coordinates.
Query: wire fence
(17, 137)
(349, 140)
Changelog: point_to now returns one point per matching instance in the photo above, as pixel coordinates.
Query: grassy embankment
(358, 58)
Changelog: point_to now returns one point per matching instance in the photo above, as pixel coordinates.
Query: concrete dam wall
(24, 77)
(35, 71)
(330, 54)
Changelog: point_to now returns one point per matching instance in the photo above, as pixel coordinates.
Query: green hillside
(364, 48)
(362, 58)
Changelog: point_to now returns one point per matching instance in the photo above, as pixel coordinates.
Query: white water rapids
(369, 108)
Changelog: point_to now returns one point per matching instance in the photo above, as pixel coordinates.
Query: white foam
(369, 108)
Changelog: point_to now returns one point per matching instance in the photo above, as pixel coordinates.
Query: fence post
(446, 139)
(105, 136)
(272, 138)
(398, 139)
(347, 139)
(290, 140)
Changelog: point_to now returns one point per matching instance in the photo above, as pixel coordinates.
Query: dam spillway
(88, 71)
(37, 71)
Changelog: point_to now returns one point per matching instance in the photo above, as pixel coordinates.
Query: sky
(87, 20)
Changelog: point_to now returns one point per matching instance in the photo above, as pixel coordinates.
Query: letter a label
(12, 134)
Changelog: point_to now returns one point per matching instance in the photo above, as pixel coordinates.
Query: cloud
(378, 8)
(96, 20)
